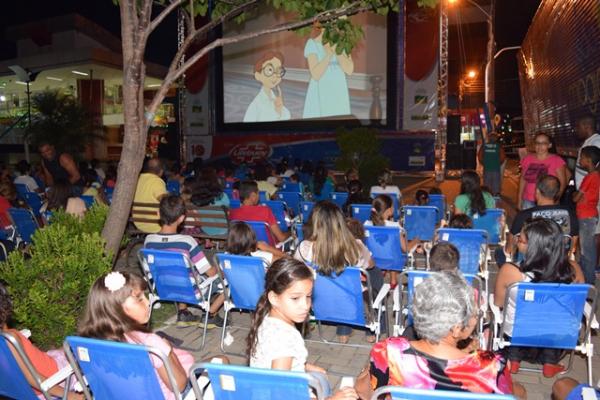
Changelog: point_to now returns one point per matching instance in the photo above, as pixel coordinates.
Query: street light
(471, 74)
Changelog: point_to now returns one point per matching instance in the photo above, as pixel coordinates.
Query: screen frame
(393, 101)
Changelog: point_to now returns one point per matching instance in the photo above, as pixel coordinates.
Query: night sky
(512, 20)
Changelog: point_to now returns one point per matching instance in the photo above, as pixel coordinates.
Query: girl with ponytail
(273, 341)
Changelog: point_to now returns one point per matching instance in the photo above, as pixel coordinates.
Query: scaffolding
(440, 139)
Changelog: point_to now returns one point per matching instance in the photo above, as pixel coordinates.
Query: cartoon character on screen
(268, 103)
(327, 93)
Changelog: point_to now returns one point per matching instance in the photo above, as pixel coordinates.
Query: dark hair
(460, 221)
(247, 188)
(355, 196)
(471, 186)
(422, 197)
(545, 256)
(6, 307)
(356, 228)
(89, 176)
(171, 207)
(154, 166)
(59, 194)
(23, 167)
(104, 317)
(319, 179)
(294, 178)
(206, 188)
(435, 190)
(378, 206)
(444, 256)
(260, 172)
(549, 186)
(241, 239)
(593, 153)
(282, 274)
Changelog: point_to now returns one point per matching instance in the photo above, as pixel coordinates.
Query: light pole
(488, 67)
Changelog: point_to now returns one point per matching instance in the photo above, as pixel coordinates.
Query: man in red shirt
(251, 211)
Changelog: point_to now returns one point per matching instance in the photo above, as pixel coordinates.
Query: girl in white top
(273, 341)
(382, 211)
(241, 240)
(385, 185)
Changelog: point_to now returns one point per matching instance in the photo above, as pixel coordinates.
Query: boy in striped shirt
(172, 215)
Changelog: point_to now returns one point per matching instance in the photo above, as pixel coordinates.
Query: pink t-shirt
(532, 168)
(150, 339)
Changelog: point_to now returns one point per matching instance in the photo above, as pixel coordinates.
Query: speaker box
(469, 154)
(453, 129)
(453, 156)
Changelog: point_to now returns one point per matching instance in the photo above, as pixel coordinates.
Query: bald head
(547, 189)
(154, 166)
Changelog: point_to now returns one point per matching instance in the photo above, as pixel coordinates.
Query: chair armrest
(495, 310)
(396, 299)
(281, 245)
(587, 312)
(383, 292)
(57, 378)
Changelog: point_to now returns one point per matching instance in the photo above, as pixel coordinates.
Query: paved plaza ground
(348, 361)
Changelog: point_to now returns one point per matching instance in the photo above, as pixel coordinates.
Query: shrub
(50, 287)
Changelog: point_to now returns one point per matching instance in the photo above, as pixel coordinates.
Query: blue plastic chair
(339, 299)
(233, 204)
(229, 193)
(109, 194)
(24, 222)
(305, 209)
(402, 393)
(279, 211)
(262, 196)
(262, 232)
(115, 370)
(173, 187)
(245, 276)
(291, 187)
(235, 382)
(395, 201)
(361, 212)
(13, 383)
(88, 200)
(413, 278)
(472, 245)
(298, 229)
(494, 222)
(339, 198)
(292, 201)
(420, 221)
(173, 277)
(548, 315)
(438, 201)
(21, 190)
(34, 201)
(228, 185)
(384, 244)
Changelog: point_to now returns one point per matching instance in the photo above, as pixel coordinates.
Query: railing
(12, 126)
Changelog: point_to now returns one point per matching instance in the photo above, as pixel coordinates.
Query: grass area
(161, 315)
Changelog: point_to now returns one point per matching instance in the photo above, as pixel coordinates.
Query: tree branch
(163, 14)
(192, 23)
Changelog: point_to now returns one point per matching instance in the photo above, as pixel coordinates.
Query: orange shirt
(42, 362)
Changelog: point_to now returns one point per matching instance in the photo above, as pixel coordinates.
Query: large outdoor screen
(287, 77)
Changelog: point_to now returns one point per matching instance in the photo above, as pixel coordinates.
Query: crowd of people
(438, 350)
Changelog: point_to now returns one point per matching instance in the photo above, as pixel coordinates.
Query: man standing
(491, 156)
(150, 189)
(586, 131)
(59, 166)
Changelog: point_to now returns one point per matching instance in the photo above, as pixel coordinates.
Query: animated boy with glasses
(268, 103)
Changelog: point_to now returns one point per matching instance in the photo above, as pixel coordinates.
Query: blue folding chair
(21, 190)
(229, 193)
(228, 185)
(173, 187)
(279, 211)
(14, 384)
(402, 393)
(109, 194)
(494, 222)
(299, 231)
(305, 209)
(263, 233)
(412, 279)
(292, 200)
(34, 201)
(438, 201)
(233, 204)
(548, 315)
(384, 244)
(262, 196)
(420, 222)
(235, 382)
(361, 212)
(88, 200)
(339, 198)
(339, 299)
(472, 245)
(24, 222)
(115, 370)
(173, 277)
(291, 187)
(395, 201)
(245, 276)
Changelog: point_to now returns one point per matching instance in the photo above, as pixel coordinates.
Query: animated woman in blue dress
(327, 93)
